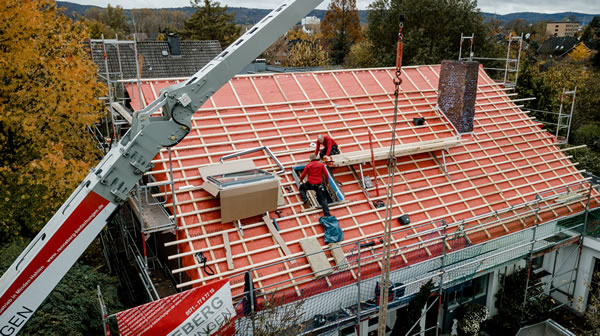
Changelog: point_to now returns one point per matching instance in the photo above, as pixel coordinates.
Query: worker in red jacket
(330, 146)
(317, 177)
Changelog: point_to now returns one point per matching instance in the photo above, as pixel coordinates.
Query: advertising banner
(205, 311)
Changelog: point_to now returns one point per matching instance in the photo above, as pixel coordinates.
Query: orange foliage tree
(49, 94)
(341, 28)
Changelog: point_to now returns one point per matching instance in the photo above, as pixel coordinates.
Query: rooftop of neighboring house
(504, 162)
(558, 46)
(155, 59)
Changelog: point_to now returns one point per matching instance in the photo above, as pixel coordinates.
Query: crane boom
(39, 268)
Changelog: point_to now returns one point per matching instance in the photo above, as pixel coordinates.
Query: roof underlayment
(506, 161)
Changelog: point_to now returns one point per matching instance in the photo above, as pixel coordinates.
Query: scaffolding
(510, 71)
(118, 118)
(560, 120)
(126, 241)
(349, 294)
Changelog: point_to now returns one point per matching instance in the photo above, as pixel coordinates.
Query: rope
(391, 165)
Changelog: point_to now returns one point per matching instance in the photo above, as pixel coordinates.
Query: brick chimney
(457, 91)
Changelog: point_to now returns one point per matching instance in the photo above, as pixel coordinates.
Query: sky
(490, 6)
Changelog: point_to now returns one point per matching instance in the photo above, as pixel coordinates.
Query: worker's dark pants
(334, 150)
(321, 196)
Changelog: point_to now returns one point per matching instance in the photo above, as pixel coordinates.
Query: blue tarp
(333, 233)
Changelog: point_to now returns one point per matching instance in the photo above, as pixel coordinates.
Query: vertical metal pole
(137, 71)
(471, 53)
(251, 287)
(358, 290)
(585, 220)
(110, 97)
(562, 99)
(519, 59)
(460, 47)
(141, 219)
(107, 85)
(507, 59)
(172, 188)
(442, 270)
(571, 116)
(535, 225)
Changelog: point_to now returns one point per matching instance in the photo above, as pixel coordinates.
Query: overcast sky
(492, 6)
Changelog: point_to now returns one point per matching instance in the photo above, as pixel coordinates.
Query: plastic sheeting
(333, 232)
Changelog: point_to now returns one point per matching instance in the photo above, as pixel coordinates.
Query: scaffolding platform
(154, 216)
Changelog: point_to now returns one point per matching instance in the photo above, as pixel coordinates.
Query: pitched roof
(506, 161)
(157, 59)
(558, 46)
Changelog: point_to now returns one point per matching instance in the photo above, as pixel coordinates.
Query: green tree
(587, 159)
(72, 308)
(49, 95)
(432, 30)
(591, 33)
(408, 316)
(341, 28)
(509, 301)
(211, 22)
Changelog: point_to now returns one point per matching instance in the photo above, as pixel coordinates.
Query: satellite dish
(527, 36)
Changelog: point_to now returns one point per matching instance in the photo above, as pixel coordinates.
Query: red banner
(205, 310)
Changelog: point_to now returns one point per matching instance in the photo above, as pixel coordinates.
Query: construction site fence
(446, 254)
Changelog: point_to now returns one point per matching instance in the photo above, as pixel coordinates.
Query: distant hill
(253, 15)
(530, 17)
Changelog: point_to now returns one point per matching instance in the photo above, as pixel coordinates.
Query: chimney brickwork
(457, 91)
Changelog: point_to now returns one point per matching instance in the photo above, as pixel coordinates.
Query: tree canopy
(49, 95)
(341, 28)
(72, 308)
(432, 29)
(110, 21)
(211, 22)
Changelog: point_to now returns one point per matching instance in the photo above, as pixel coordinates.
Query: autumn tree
(360, 55)
(211, 22)
(149, 21)
(110, 21)
(306, 54)
(517, 27)
(341, 28)
(432, 30)
(580, 52)
(49, 95)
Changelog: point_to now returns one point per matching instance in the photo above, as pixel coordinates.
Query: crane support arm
(165, 122)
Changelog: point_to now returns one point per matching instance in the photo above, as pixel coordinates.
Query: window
(236, 178)
(467, 291)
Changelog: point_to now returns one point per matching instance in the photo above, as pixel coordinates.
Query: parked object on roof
(243, 190)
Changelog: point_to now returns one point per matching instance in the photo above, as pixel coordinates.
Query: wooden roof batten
(503, 161)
